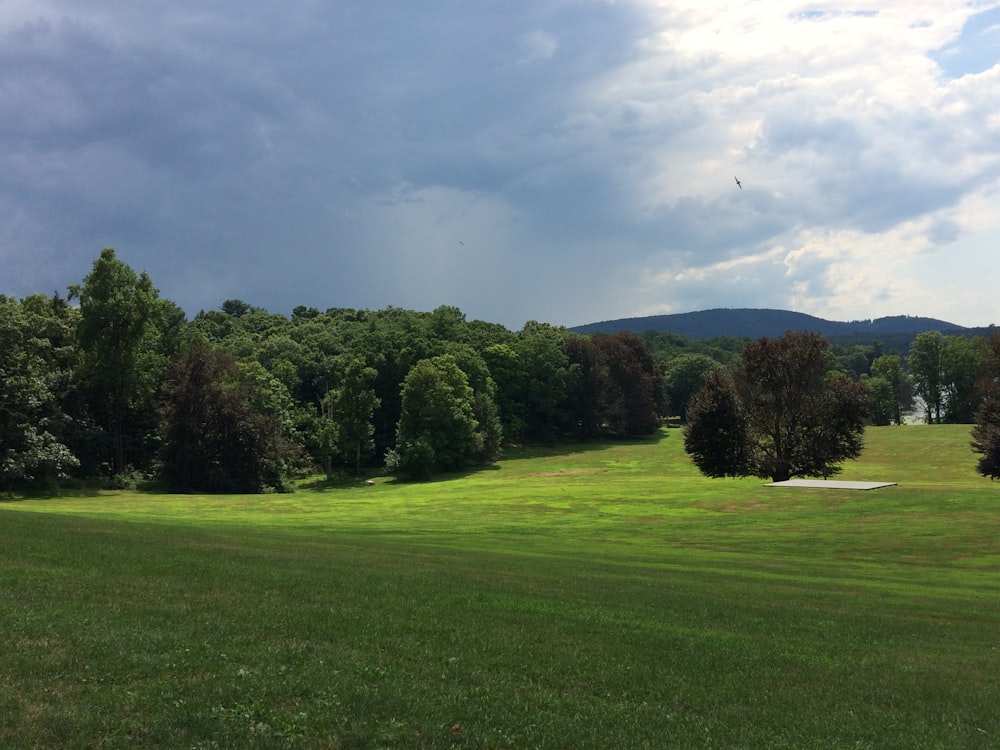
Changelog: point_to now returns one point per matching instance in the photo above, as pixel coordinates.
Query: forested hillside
(896, 331)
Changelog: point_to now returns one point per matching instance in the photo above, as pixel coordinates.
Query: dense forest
(115, 384)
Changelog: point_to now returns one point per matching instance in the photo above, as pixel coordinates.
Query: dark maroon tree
(986, 431)
(213, 438)
(793, 414)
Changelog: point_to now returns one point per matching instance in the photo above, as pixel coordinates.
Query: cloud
(537, 45)
(582, 150)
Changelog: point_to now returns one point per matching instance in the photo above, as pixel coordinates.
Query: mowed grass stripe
(606, 598)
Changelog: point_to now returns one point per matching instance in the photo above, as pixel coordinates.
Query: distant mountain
(773, 323)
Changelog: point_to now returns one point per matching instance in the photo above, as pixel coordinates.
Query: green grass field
(605, 597)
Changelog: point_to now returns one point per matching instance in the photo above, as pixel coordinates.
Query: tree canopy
(986, 431)
(437, 428)
(121, 354)
(216, 438)
(783, 413)
(34, 370)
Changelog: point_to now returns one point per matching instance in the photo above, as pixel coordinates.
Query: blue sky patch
(976, 50)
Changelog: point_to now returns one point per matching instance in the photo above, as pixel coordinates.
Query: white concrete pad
(831, 484)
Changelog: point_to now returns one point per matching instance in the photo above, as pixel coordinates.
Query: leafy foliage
(785, 414)
(684, 377)
(544, 386)
(926, 362)
(121, 357)
(349, 408)
(82, 385)
(986, 436)
(437, 427)
(946, 371)
(635, 400)
(986, 431)
(214, 440)
(33, 369)
(889, 391)
(615, 387)
(963, 367)
(716, 435)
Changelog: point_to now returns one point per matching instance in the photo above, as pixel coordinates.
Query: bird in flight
(738, 183)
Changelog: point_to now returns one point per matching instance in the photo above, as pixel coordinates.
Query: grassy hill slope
(605, 597)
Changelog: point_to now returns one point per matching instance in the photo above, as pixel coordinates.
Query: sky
(565, 161)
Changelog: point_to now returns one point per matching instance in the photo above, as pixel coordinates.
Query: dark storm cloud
(562, 160)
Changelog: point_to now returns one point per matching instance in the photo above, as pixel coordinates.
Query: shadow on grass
(322, 484)
(445, 476)
(592, 446)
(53, 490)
(529, 451)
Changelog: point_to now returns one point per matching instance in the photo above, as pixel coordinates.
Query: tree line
(115, 383)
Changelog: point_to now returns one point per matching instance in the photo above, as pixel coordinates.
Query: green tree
(392, 341)
(121, 356)
(484, 405)
(856, 360)
(894, 386)
(508, 375)
(685, 375)
(926, 362)
(590, 388)
(33, 378)
(881, 403)
(986, 435)
(236, 308)
(487, 415)
(962, 364)
(795, 416)
(437, 426)
(349, 408)
(545, 386)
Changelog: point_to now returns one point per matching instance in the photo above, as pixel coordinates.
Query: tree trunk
(118, 464)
